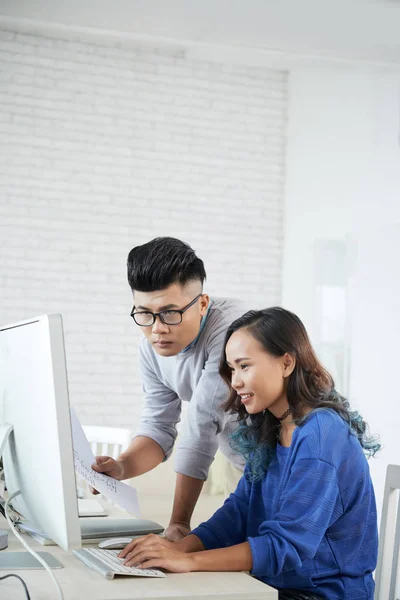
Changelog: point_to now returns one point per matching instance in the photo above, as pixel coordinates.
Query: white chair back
(107, 441)
(389, 538)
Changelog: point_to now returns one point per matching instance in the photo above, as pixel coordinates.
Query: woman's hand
(153, 551)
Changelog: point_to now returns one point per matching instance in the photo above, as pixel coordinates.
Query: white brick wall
(104, 145)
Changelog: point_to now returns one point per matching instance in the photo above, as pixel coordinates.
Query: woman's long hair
(309, 386)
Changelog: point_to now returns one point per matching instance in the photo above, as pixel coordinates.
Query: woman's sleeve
(309, 505)
(227, 526)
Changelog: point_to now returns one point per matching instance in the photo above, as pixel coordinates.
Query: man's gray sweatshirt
(191, 376)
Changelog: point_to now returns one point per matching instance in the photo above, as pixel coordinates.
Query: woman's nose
(236, 381)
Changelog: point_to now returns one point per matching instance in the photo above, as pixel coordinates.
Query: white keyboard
(107, 563)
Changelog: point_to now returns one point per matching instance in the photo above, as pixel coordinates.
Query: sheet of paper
(122, 494)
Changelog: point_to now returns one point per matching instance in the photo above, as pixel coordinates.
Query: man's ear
(204, 303)
(289, 363)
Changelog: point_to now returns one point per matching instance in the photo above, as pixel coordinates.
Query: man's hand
(154, 551)
(177, 531)
(107, 466)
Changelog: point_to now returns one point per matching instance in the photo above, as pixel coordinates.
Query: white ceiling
(367, 30)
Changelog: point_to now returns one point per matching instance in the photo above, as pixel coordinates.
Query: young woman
(303, 517)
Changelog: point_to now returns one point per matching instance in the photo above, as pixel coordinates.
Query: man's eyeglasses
(146, 318)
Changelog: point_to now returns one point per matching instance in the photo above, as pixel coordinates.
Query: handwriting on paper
(91, 476)
(122, 494)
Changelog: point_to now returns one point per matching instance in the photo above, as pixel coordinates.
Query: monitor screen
(38, 457)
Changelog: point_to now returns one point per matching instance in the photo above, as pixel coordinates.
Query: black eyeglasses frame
(160, 314)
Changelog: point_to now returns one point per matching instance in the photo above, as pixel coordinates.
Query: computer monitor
(38, 456)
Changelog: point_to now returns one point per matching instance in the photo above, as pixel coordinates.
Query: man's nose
(159, 326)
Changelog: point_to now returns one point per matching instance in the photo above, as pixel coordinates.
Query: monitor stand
(24, 560)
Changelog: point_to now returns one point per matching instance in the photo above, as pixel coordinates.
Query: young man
(179, 356)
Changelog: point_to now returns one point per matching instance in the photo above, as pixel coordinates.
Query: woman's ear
(289, 363)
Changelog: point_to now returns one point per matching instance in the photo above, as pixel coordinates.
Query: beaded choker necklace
(285, 414)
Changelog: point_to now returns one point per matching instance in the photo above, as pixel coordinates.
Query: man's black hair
(161, 262)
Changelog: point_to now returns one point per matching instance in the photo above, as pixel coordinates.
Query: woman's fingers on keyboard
(137, 542)
(129, 548)
(171, 560)
(138, 556)
(148, 547)
(143, 543)
(144, 547)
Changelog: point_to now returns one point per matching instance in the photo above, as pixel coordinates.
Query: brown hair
(309, 386)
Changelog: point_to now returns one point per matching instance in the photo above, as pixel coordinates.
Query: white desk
(78, 582)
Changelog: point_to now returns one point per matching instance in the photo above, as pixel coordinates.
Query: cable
(21, 580)
(24, 543)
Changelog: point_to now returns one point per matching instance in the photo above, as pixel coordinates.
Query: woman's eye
(243, 367)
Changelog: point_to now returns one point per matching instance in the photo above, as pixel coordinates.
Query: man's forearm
(187, 492)
(142, 456)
